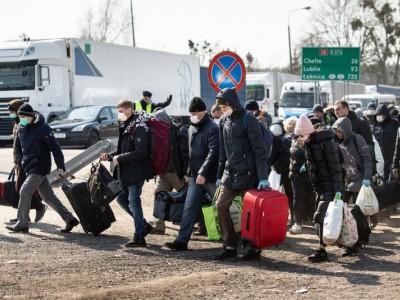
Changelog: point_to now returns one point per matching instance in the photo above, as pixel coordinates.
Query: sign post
(226, 70)
(330, 64)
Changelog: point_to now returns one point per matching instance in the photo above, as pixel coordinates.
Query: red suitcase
(264, 218)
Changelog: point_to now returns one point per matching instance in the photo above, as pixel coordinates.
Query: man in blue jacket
(34, 142)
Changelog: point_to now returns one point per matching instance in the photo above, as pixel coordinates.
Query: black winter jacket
(280, 156)
(203, 149)
(33, 146)
(396, 156)
(361, 127)
(297, 159)
(180, 151)
(243, 155)
(133, 152)
(385, 132)
(323, 162)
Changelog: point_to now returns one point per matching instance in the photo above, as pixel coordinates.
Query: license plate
(60, 135)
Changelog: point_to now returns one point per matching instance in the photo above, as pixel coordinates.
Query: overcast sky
(256, 26)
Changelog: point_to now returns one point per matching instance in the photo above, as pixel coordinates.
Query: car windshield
(86, 113)
(302, 100)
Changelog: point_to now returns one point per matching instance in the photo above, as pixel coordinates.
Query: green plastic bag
(211, 219)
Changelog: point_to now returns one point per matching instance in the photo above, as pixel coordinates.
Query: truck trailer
(55, 74)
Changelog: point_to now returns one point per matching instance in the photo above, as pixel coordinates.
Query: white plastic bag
(349, 233)
(367, 201)
(333, 222)
(274, 180)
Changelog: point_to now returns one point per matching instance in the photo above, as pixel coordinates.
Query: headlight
(78, 128)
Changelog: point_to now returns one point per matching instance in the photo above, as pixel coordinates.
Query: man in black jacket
(34, 142)
(147, 104)
(203, 162)
(242, 164)
(132, 161)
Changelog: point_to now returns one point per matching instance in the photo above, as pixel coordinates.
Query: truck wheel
(93, 139)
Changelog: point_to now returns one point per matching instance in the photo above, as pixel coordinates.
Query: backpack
(101, 185)
(160, 145)
(266, 133)
(348, 163)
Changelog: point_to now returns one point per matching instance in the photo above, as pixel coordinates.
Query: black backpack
(101, 185)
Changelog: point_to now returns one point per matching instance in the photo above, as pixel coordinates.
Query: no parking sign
(226, 70)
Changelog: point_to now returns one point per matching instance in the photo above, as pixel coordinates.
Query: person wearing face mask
(325, 172)
(242, 165)
(216, 113)
(370, 114)
(385, 131)
(202, 169)
(36, 202)
(132, 160)
(34, 143)
(147, 104)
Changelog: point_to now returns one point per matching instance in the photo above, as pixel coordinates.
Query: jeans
(194, 197)
(41, 183)
(130, 201)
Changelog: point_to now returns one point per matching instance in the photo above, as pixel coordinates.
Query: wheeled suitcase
(93, 218)
(264, 218)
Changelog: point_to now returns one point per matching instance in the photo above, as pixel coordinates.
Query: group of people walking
(225, 149)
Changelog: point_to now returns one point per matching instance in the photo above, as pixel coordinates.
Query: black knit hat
(197, 105)
(318, 108)
(251, 105)
(147, 94)
(26, 110)
(371, 105)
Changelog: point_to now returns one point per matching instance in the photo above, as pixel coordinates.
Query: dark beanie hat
(15, 104)
(197, 105)
(318, 108)
(147, 94)
(371, 105)
(251, 105)
(26, 110)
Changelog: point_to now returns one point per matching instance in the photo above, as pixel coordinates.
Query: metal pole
(290, 48)
(133, 29)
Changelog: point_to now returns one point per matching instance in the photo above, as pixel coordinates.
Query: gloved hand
(169, 99)
(218, 183)
(263, 184)
(303, 168)
(366, 182)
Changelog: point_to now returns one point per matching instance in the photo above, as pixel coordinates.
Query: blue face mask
(24, 121)
(13, 116)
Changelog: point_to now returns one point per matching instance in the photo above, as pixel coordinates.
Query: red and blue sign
(226, 70)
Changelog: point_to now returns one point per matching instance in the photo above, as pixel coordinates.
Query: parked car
(86, 125)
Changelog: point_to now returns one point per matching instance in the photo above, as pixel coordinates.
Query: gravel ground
(45, 264)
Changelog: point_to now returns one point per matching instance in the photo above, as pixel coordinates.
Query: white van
(364, 99)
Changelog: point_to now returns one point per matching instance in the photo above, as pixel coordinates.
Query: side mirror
(44, 78)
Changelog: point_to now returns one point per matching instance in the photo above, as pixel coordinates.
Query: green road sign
(330, 64)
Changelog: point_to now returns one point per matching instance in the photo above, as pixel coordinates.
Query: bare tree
(111, 25)
(204, 51)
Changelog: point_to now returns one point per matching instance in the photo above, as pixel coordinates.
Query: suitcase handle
(247, 220)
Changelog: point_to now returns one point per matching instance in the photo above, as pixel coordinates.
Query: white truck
(299, 97)
(265, 88)
(55, 74)
(362, 100)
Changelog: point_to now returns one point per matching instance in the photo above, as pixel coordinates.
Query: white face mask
(122, 117)
(216, 121)
(380, 118)
(194, 119)
(228, 112)
(370, 112)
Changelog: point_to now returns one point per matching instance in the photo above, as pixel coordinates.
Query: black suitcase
(93, 218)
(387, 194)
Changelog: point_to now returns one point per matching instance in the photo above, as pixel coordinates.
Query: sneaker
(252, 254)
(176, 245)
(40, 213)
(136, 242)
(296, 229)
(227, 253)
(350, 251)
(318, 256)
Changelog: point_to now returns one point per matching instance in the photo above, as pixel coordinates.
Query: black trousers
(303, 198)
